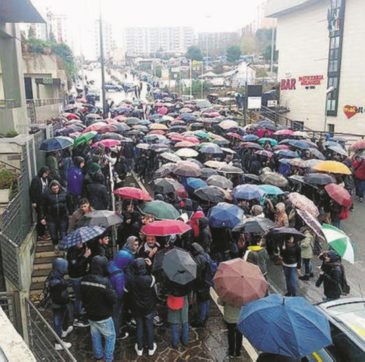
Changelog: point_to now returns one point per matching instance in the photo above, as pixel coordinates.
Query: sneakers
(152, 351)
(139, 351)
(80, 323)
(304, 277)
(67, 331)
(157, 322)
(124, 335)
(60, 347)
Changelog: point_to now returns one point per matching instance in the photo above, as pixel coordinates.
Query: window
(331, 128)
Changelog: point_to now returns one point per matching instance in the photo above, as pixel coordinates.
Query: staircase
(42, 265)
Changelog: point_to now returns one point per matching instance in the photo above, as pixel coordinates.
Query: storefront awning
(19, 11)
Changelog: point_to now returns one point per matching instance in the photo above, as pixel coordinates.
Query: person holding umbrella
(77, 218)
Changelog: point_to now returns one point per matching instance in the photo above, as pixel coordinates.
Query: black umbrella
(165, 185)
(104, 218)
(231, 170)
(255, 225)
(277, 233)
(179, 266)
(319, 179)
(251, 178)
(207, 172)
(210, 193)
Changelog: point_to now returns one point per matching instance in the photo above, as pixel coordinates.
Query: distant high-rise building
(146, 40)
(58, 27)
(107, 39)
(260, 21)
(212, 43)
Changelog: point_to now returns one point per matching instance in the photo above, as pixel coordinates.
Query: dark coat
(291, 254)
(77, 262)
(97, 194)
(97, 295)
(35, 190)
(204, 278)
(331, 278)
(205, 238)
(54, 206)
(57, 284)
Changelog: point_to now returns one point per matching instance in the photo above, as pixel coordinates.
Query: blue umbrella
(286, 154)
(210, 148)
(250, 138)
(56, 144)
(247, 192)
(81, 235)
(225, 215)
(299, 144)
(286, 326)
(191, 184)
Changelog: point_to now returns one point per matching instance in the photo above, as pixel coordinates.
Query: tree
(194, 53)
(248, 44)
(233, 53)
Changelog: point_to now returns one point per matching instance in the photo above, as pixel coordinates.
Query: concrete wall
(45, 113)
(303, 44)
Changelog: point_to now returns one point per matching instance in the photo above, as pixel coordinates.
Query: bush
(7, 178)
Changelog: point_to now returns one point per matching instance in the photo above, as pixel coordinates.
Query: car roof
(349, 316)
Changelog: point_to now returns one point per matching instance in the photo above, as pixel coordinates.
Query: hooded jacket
(194, 222)
(57, 284)
(97, 194)
(331, 277)
(141, 287)
(54, 206)
(205, 238)
(75, 178)
(204, 278)
(97, 295)
(116, 269)
(35, 190)
(258, 255)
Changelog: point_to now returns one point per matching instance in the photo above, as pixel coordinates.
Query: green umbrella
(160, 210)
(201, 135)
(271, 190)
(339, 242)
(86, 137)
(270, 140)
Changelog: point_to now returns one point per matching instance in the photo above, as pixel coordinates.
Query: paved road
(355, 273)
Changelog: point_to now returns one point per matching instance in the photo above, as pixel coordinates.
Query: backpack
(211, 270)
(345, 288)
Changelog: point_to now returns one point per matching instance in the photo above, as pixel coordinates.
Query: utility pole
(103, 98)
(191, 78)
(272, 50)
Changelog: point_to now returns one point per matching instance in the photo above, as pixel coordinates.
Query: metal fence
(42, 338)
(9, 302)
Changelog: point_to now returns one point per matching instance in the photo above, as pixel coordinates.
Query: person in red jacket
(358, 165)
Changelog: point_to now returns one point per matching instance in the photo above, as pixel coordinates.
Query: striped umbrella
(339, 242)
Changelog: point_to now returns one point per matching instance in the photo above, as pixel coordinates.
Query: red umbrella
(184, 144)
(191, 139)
(339, 194)
(280, 147)
(95, 127)
(72, 116)
(165, 227)
(359, 145)
(233, 135)
(157, 131)
(238, 282)
(107, 143)
(120, 118)
(284, 132)
(132, 193)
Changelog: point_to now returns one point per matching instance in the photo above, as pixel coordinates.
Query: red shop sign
(311, 80)
(288, 84)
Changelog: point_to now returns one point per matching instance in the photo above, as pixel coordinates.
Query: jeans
(144, 324)
(118, 314)
(203, 310)
(177, 331)
(360, 188)
(307, 266)
(291, 280)
(57, 230)
(75, 283)
(103, 328)
(62, 318)
(234, 339)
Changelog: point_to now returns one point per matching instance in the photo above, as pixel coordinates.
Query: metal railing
(42, 338)
(9, 103)
(9, 302)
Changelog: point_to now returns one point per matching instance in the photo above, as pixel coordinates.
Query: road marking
(251, 351)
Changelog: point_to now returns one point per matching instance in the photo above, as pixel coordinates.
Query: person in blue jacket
(75, 181)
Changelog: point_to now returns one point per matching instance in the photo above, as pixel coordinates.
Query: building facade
(147, 40)
(321, 62)
(213, 43)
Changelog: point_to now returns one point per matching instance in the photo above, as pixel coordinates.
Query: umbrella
(274, 178)
(230, 169)
(220, 181)
(158, 126)
(95, 126)
(282, 232)
(303, 203)
(338, 149)
(284, 132)
(249, 138)
(228, 150)
(225, 215)
(197, 163)
(207, 172)
(228, 124)
(210, 148)
(251, 178)
(184, 144)
(318, 179)
(160, 210)
(179, 266)
(238, 282)
(201, 134)
(187, 169)
(317, 154)
(112, 136)
(215, 164)
(170, 157)
(339, 242)
(104, 218)
(186, 153)
(311, 222)
(210, 193)
(247, 192)
(107, 143)
(56, 143)
(132, 121)
(256, 225)
(84, 138)
(297, 162)
(193, 184)
(303, 145)
(132, 193)
(339, 194)
(165, 228)
(285, 326)
(333, 167)
(166, 185)
(286, 154)
(143, 146)
(264, 153)
(264, 140)
(252, 145)
(271, 190)
(164, 170)
(81, 235)
(358, 146)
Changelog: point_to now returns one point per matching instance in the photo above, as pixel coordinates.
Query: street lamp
(328, 92)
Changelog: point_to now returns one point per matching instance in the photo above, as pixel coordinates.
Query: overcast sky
(204, 15)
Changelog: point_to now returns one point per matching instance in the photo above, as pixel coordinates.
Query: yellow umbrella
(160, 126)
(332, 167)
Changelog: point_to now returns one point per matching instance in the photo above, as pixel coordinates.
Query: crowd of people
(194, 162)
